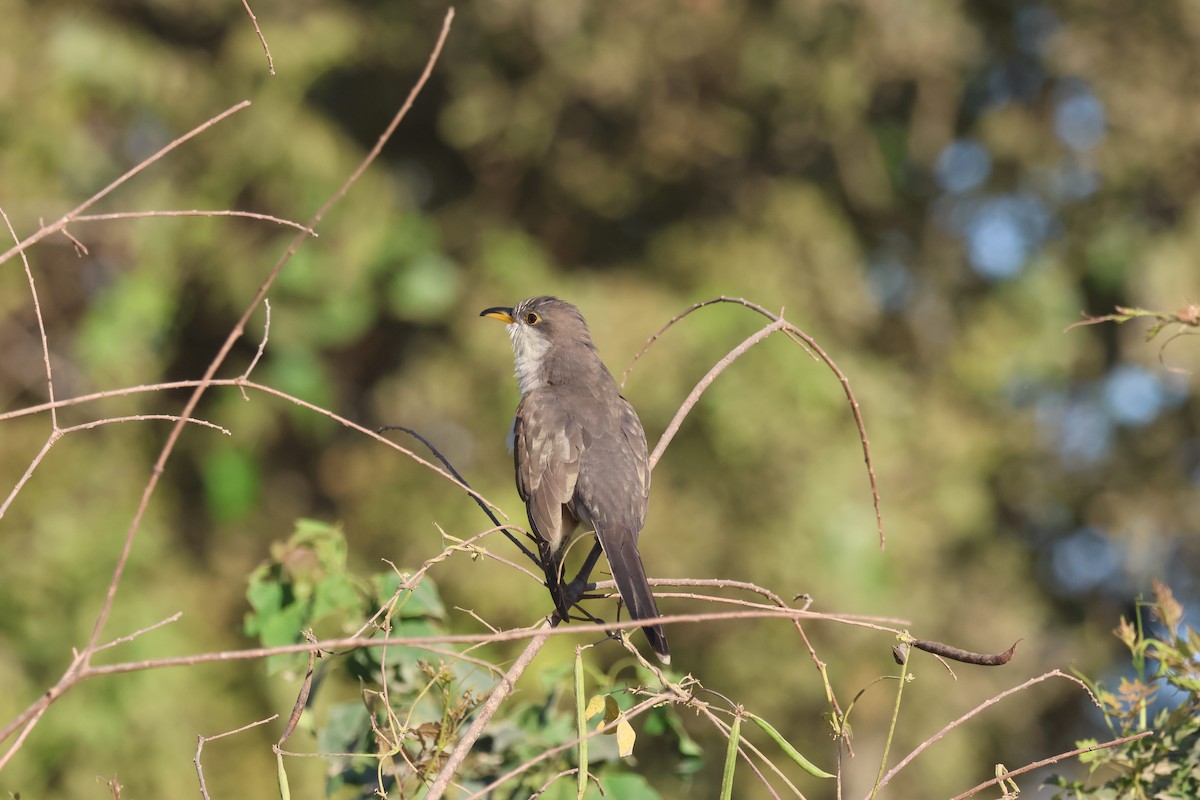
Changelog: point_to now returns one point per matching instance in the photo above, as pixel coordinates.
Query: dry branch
(81, 667)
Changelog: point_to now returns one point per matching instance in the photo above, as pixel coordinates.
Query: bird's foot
(577, 590)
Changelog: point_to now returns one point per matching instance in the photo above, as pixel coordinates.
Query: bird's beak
(499, 312)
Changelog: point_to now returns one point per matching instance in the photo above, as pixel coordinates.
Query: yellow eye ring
(532, 318)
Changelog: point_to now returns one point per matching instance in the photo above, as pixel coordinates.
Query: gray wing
(635, 436)
(614, 483)
(547, 447)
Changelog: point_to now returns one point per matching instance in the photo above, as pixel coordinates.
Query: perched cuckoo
(580, 455)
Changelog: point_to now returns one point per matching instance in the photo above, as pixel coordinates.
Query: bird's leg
(550, 566)
(575, 590)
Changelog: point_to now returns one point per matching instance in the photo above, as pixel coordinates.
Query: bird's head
(549, 338)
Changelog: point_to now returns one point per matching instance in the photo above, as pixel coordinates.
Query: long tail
(621, 548)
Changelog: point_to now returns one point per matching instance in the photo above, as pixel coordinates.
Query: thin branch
(262, 346)
(30, 717)
(241, 382)
(28, 473)
(29, 723)
(566, 773)
(240, 327)
(59, 433)
(73, 214)
(812, 347)
(129, 637)
(991, 701)
(79, 672)
(424, 642)
(469, 545)
(1052, 760)
(80, 249)
(201, 740)
(87, 426)
(41, 323)
(81, 667)
(103, 395)
(194, 213)
(705, 382)
(261, 38)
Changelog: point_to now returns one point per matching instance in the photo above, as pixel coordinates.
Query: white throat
(529, 348)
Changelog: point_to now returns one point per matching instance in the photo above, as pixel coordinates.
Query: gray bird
(580, 455)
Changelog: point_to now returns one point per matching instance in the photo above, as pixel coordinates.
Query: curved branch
(818, 353)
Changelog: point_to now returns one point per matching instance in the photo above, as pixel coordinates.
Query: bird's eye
(532, 318)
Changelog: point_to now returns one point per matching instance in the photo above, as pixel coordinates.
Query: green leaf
(335, 593)
(283, 627)
(264, 594)
(347, 726)
(327, 541)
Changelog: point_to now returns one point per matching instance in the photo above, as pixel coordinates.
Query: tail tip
(658, 643)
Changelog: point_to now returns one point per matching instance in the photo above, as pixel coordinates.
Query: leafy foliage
(412, 701)
(1166, 764)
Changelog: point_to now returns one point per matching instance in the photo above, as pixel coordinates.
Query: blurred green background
(933, 190)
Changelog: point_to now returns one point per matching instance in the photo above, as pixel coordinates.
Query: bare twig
(81, 667)
(242, 382)
(814, 349)
(96, 423)
(129, 637)
(1052, 760)
(261, 38)
(59, 433)
(28, 473)
(192, 213)
(37, 312)
(73, 214)
(991, 701)
(262, 346)
(80, 249)
(566, 773)
(240, 327)
(705, 382)
(425, 642)
(201, 740)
